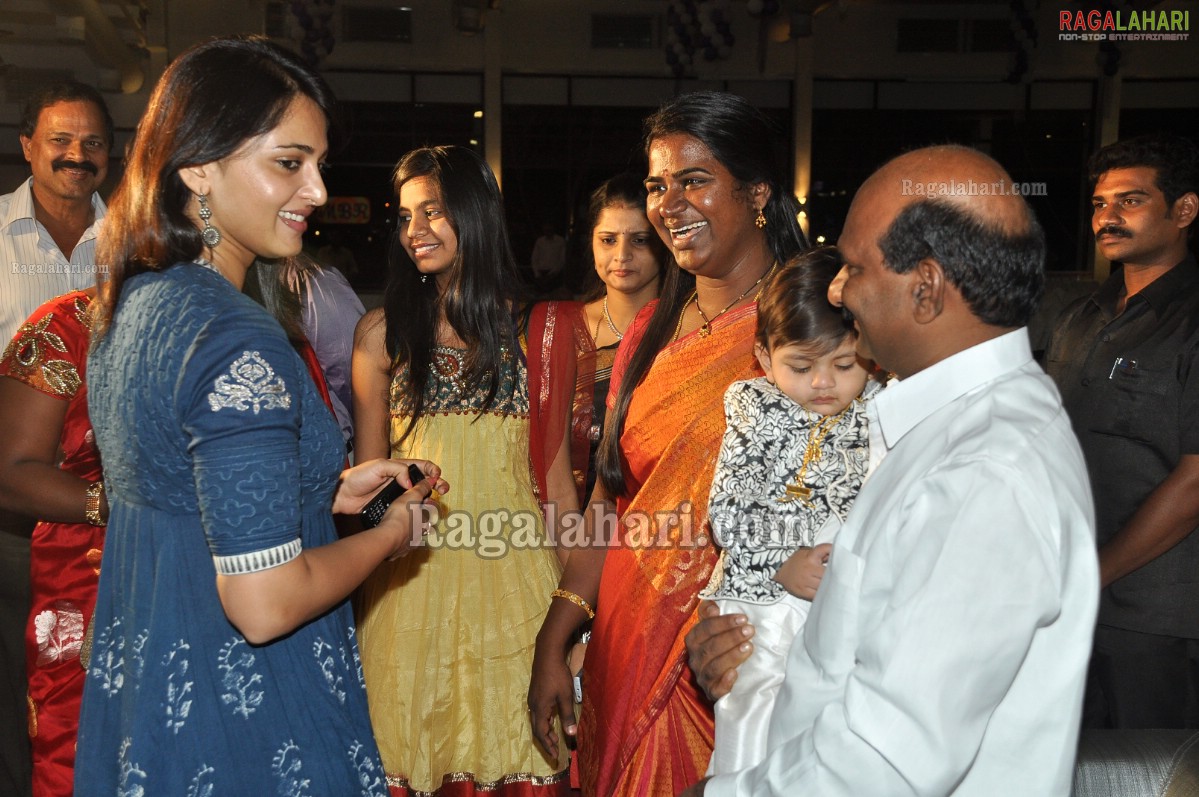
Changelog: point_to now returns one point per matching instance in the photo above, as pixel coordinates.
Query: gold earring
(760, 221)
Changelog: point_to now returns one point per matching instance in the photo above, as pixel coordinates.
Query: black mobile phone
(372, 513)
(415, 475)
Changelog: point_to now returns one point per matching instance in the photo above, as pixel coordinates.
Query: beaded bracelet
(566, 594)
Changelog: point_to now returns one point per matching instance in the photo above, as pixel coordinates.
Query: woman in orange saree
(643, 733)
(715, 200)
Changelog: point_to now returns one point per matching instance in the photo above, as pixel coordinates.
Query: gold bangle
(566, 594)
(91, 504)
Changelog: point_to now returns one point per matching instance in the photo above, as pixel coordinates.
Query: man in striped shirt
(48, 224)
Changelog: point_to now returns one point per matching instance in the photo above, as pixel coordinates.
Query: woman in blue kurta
(223, 658)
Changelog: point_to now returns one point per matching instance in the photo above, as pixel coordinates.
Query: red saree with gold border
(646, 728)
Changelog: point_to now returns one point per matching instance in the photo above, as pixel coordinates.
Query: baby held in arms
(794, 454)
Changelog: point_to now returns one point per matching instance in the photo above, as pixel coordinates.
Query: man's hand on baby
(801, 573)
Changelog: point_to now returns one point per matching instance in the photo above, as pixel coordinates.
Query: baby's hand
(801, 573)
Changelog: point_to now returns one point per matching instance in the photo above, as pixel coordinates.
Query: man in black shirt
(1126, 360)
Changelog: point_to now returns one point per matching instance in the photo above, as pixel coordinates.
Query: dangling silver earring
(424, 278)
(210, 235)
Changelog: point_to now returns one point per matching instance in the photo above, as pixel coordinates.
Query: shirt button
(1086, 382)
(1107, 338)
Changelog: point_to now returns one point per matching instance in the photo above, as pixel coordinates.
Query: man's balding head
(940, 254)
(971, 219)
(964, 178)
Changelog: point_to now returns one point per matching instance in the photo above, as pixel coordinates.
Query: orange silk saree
(646, 728)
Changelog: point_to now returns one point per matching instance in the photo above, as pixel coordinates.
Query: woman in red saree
(43, 407)
(716, 201)
(627, 258)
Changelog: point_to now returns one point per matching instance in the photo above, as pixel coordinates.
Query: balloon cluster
(1024, 38)
(697, 29)
(316, 21)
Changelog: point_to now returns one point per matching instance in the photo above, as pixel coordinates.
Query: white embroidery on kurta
(108, 659)
(59, 633)
(177, 704)
(352, 641)
(250, 384)
(287, 765)
(137, 661)
(236, 663)
(328, 665)
(201, 785)
(129, 770)
(370, 774)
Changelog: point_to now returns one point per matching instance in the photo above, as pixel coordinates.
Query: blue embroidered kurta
(217, 448)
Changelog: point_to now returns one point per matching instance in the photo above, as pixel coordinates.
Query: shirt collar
(1157, 294)
(1176, 282)
(907, 402)
(20, 206)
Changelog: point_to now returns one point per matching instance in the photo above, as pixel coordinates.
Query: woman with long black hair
(456, 367)
(717, 201)
(224, 658)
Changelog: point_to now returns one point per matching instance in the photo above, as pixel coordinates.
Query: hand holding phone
(372, 513)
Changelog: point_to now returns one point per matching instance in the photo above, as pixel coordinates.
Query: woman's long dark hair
(208, 103)
(625, 190)
(482, 289)
(280, 288)
(745, 143)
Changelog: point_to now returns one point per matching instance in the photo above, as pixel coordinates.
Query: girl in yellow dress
(454, 367)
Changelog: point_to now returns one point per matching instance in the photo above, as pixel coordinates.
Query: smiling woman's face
(262, 195)
(425, 229)
(703, 213)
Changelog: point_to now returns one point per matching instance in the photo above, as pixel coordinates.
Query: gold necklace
(679, 326)
(705, 328)
(619, 335)
(799, 490)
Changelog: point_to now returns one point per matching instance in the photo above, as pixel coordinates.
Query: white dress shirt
(947, 647)
(32, 267)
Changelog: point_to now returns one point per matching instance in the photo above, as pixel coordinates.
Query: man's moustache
(59, 165)
(1117, 231)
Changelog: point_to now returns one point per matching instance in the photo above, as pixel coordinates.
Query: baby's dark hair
(794, 307)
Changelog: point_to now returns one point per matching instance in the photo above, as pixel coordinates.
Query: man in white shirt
(48, 224)
(47, 247)
(946, 649)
